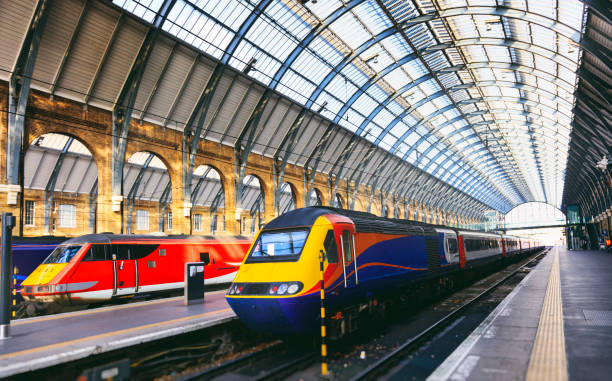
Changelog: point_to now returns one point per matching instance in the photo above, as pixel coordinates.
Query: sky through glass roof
(478, 93)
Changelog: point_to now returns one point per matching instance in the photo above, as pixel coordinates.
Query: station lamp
(249, 65)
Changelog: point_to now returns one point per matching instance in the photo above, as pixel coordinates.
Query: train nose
(277, 315)
(43, 274)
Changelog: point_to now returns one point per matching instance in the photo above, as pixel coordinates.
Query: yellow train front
(278, 283)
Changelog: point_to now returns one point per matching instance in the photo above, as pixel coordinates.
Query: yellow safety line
(108, 334)
(102, 309)
(548, 361)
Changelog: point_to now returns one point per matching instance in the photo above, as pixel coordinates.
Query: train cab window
(97, 252)
(281, 245)
(62, 254)
(452, 245)
(346, 246)
(331, 248)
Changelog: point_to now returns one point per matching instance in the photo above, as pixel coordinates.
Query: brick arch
(295, 192)
(128, 155)
(342, 200)
(129, 152)
(359, 205)
(222, 179)
(263, 186)
(98, 157)
(324, 201)
(399, 208)
(171, 158)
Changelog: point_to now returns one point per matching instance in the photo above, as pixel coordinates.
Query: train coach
(99, 267)
(367, 259)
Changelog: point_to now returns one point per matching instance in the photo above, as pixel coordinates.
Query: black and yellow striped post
(15, 271)
(323, 330)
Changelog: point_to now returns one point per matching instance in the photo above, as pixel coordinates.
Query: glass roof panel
(145, 9)
(512, 77)
(350, 30)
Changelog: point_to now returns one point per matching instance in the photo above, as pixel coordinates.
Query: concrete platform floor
(556, 324)
(49, 340)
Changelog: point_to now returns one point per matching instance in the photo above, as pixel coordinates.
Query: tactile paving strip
(548, 360)
(598, 318)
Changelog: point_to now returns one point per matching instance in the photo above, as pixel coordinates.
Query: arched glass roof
(478, 93)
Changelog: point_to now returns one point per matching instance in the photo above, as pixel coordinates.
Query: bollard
(323, 329)
(6, 279)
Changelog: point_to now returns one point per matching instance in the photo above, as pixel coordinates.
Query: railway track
(379, 368)
(290, 361)
(263, 364)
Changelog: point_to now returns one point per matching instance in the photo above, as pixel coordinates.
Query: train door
(462, 259)
(349, 258)
(126, 270)
(451, 247)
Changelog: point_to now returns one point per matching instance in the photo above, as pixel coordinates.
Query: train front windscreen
(278, 245)
(62, 254)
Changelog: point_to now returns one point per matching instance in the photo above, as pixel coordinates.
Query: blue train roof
(364, 222)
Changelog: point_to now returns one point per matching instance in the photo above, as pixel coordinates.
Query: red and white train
(99, 267)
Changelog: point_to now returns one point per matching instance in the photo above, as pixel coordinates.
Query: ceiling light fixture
(322, 107)
(249, 66)
(373, 59)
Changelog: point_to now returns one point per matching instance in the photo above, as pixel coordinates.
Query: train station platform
(556, 324)
(40, 342)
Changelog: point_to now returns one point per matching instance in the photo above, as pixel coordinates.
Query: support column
(108, 209)
(269, 212)
(231, 223)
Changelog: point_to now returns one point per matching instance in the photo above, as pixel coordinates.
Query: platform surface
(49, 340)
(556, 324)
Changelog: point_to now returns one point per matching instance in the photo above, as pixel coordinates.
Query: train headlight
(282, 288)
(293, 288)
(273, 289)
(60, 288)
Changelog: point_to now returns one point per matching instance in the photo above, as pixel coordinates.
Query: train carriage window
(346, 246)
(121, 252)
(331, 247)
(452, 245)
(97, 252)
(124, 252)
(205, 258)
(141, 251)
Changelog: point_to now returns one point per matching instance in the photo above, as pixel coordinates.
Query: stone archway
(253, 205)
(208, 200)
(147, 189)
(288, 198)
(315, 198)
(60, 186)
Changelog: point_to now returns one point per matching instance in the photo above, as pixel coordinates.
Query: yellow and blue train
(367, 258)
